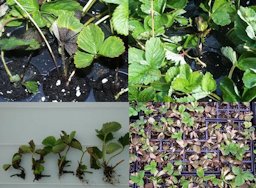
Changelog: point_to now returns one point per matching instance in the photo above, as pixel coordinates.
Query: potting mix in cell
(190, 50)
(192, 145)
(63, 50)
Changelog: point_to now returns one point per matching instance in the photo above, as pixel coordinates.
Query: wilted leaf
(95, 155)
(124, 140)
(76, 144)
(25, 149)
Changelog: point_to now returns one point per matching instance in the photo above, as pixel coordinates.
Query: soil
(56, 90)
(8, 90)
(105, 88)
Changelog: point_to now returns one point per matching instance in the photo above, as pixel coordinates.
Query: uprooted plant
(61, 147)
(111, 147)
(16, 164)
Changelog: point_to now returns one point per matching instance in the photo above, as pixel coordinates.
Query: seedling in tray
(109, 147)
(18, 80)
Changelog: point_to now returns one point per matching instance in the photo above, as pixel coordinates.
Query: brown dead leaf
(161, 136)
(193, 158)
(152, 156)
(244, 186)
(3, 9)
(207, 109)
(158, 159)
(182, 143)
(149, 185)
(219, 136)
(151, 120)
(197, 149)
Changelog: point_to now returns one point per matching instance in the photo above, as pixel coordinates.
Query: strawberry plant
(75, 36)
(110, 147)
(177, 54)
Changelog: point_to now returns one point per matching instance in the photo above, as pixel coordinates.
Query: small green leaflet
(92, 43)
(32, 86)
(145, 71)
(14, 43)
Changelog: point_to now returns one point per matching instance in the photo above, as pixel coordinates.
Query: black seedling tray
(221, 110)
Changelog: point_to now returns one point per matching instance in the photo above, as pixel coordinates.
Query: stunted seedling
(110, 147)
(37, 164)
(16, 164)
(235, 149)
